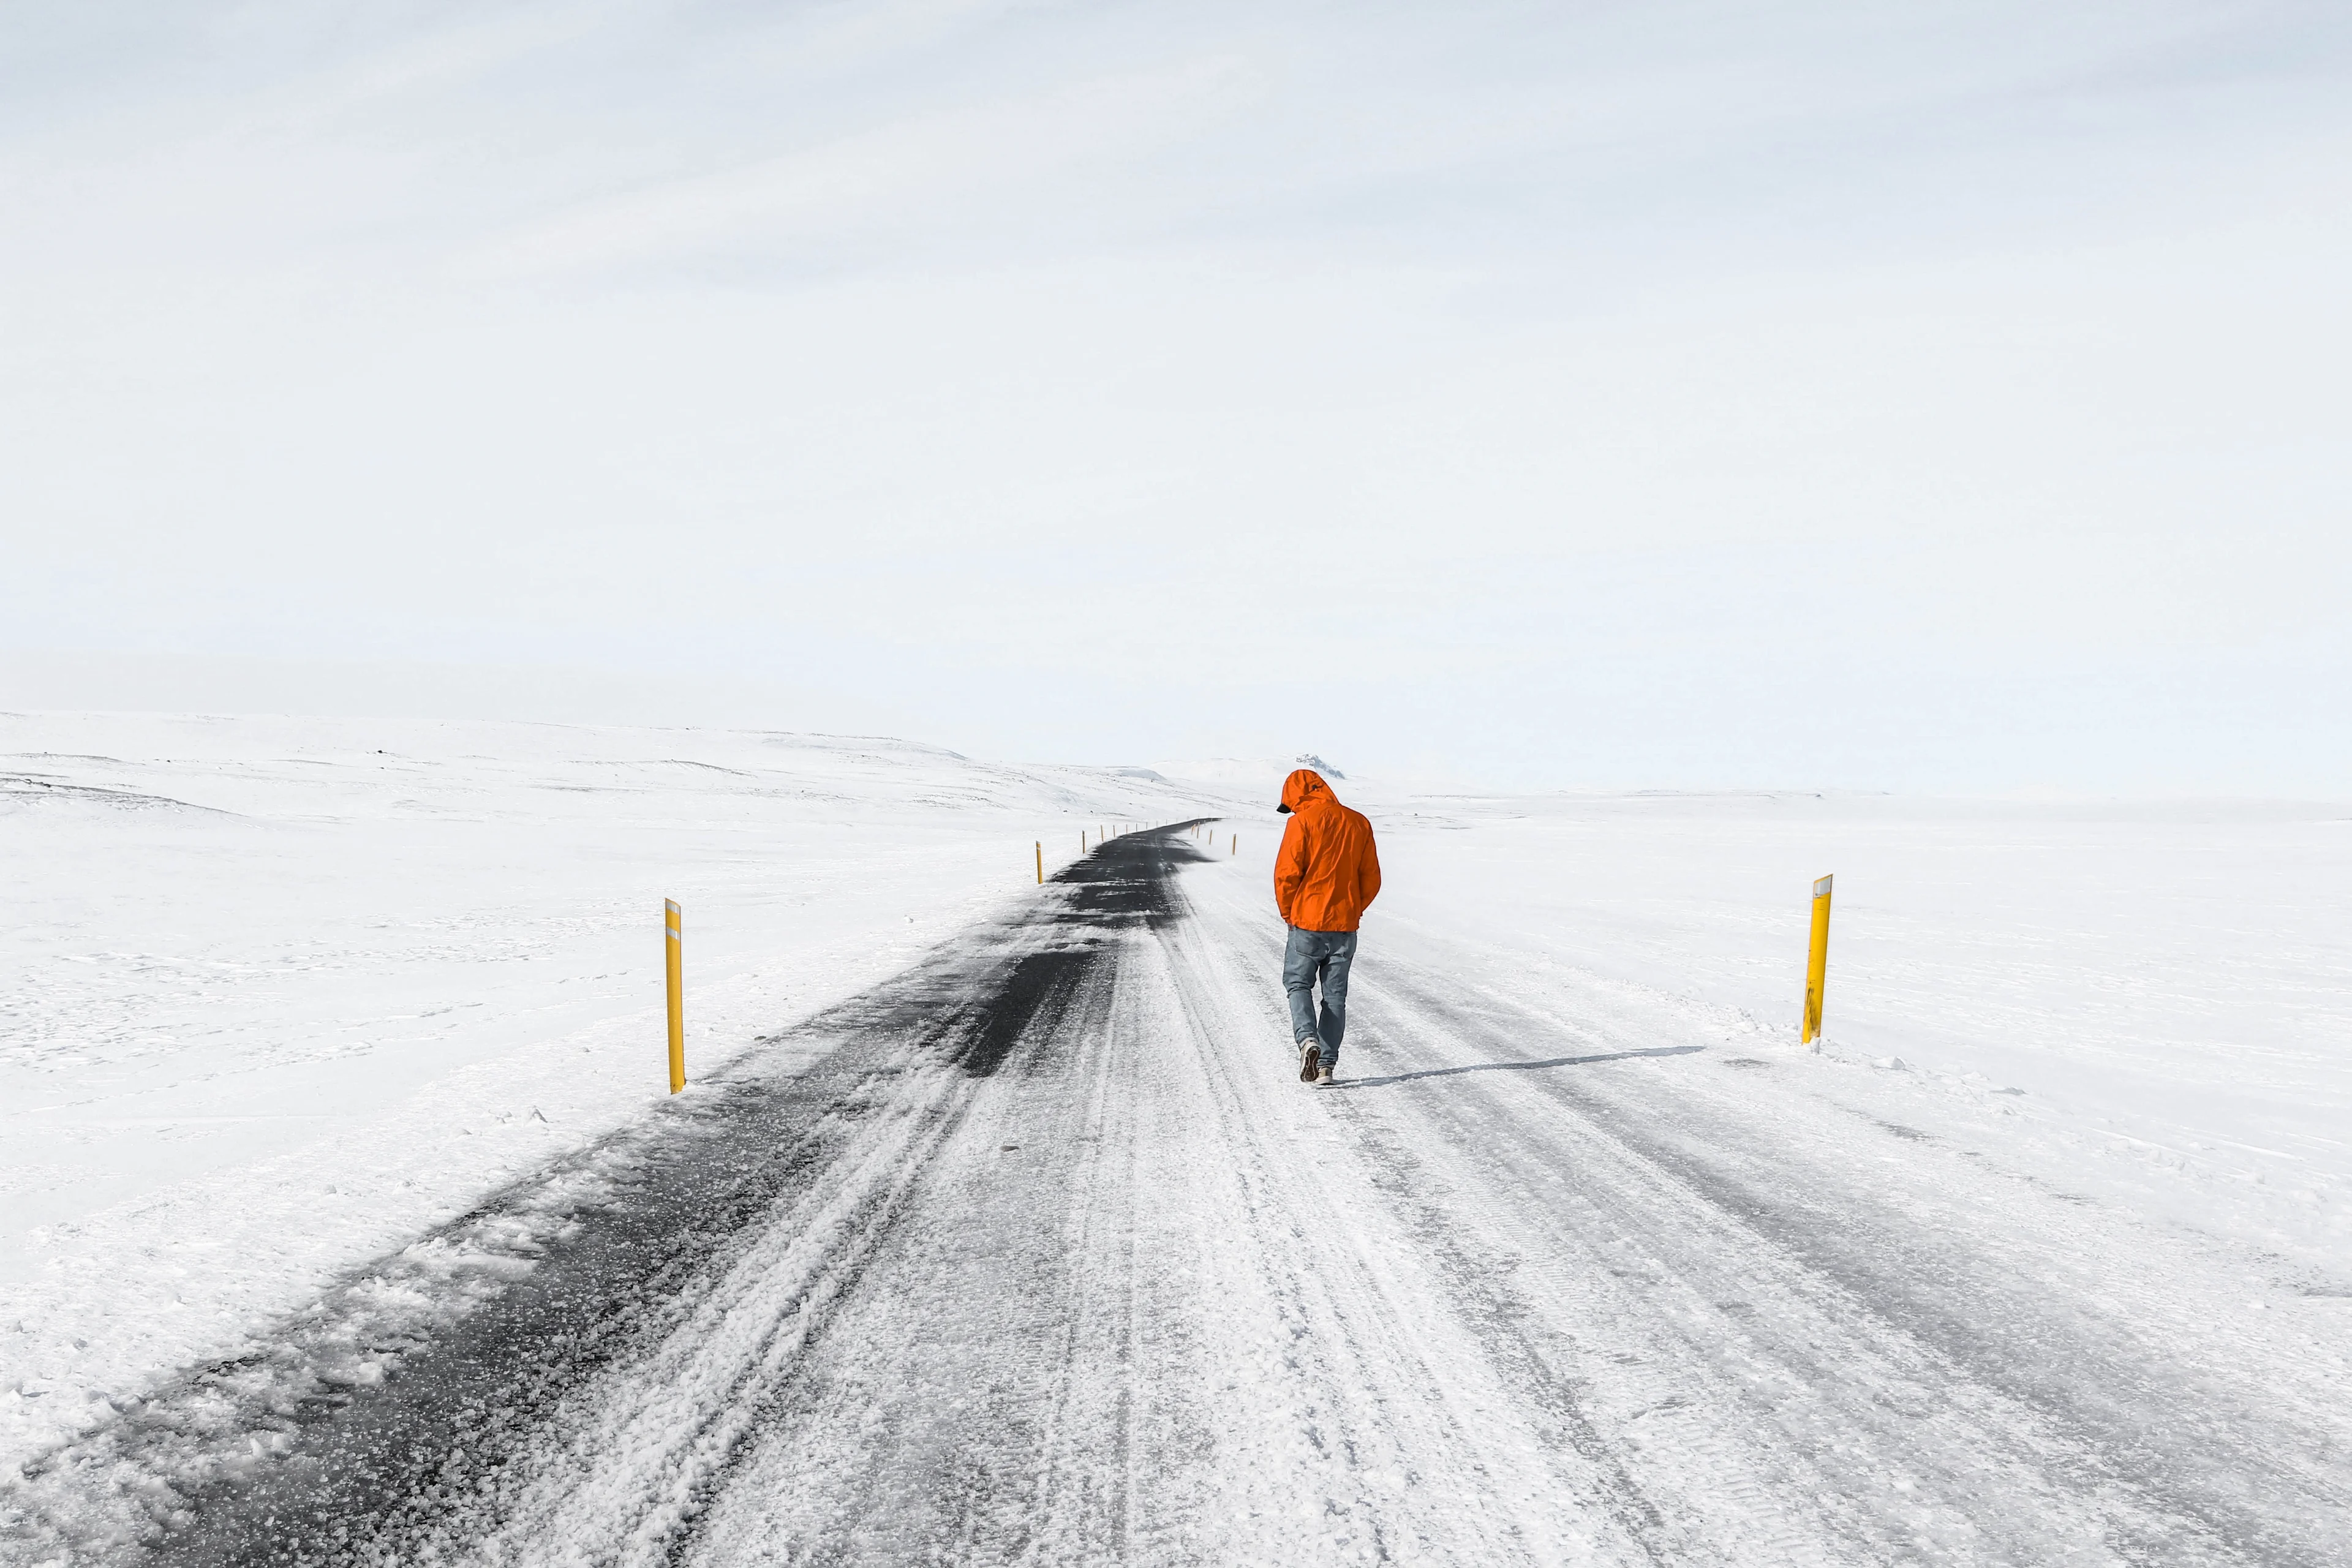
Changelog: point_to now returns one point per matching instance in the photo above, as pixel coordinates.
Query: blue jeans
(1308, 957)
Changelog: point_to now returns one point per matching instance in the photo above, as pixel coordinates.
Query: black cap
(1283, 810)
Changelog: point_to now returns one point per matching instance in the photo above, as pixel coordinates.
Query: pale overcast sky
(1912, 396)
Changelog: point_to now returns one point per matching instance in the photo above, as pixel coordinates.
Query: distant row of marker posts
(1233, 840)
(673, 966)
(1103, 834)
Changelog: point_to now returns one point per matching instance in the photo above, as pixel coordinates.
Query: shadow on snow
(1520, 1066)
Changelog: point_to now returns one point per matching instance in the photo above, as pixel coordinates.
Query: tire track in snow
(1954, 1342)
(1844, 1375)
(1410, 1450)
(1151, 1332)
(935, 1423)
(984, 1402)
(581, 1355)
(1051, 1260)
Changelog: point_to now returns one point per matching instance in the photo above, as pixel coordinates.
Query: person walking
(1326, 875)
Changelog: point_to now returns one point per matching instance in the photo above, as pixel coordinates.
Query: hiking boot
(1310, 1058)
(1323, 1078)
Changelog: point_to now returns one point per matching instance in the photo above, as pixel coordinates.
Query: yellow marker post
(674, 939)
(1817, 961)
(1041, 862)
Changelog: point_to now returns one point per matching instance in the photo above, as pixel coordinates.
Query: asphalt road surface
(1049, 1257)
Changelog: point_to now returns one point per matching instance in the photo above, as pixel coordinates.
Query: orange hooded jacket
(1326, 872)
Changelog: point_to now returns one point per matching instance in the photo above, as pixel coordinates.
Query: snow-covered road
(1049, 1257)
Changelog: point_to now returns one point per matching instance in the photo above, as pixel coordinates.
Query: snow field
(2152, 1003)
(1587, 1261)
(298, 990)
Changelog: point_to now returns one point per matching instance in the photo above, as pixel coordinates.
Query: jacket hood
(1302, 787)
